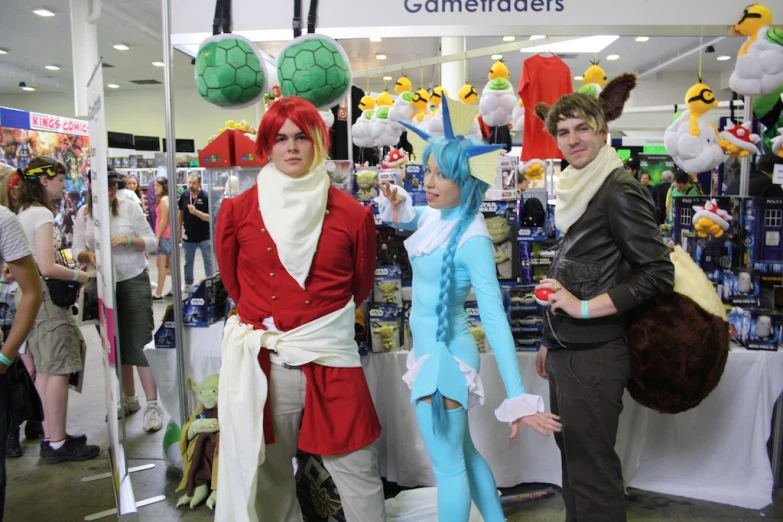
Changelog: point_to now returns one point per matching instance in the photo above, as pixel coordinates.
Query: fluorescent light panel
(589, 45)
(579, 78)
(112, 86)
(537, 37)
(28, 88)
(380, 56)
(723, 58)
(613, 57)
(387, 78)
(158, 64)
(509, 38)
(121, 47)
(3, 51)
(642, 39)
(376, 39)
(51, 67)
(497, 56)
(43, 12)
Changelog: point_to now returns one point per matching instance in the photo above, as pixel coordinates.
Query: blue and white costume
(450, 369)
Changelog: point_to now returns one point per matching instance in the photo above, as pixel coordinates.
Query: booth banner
(655, 165)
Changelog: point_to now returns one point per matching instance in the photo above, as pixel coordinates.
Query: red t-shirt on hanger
(544, 79)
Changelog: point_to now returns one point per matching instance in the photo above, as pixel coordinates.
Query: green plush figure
(478, 335)
(366, 182)
(387, 334)
(231, 72)
(199, 447)
(388, 291)
(316, 68)
(499, 231)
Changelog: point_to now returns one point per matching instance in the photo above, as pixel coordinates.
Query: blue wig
(451, 158)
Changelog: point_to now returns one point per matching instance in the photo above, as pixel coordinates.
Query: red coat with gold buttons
(341, 417)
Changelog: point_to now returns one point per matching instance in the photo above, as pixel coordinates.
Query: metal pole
(349, 122)
(171, 165)
(744, 186)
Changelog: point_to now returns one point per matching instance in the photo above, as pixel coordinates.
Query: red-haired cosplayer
(297, 256)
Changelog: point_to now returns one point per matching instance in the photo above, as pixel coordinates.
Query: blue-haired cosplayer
(450, 252)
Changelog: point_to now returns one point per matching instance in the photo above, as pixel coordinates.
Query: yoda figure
(500, 230)
(366, 182)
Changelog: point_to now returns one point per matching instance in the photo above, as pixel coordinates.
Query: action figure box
(414, 184)
(390, 250)
(711, 252)
(502, 224)
(534, 262)
(763, 225)
(475, 327)
(756, 328)
(741, 287)
(406, 337)
(164, 336)
(204, 306)
(388, 285)
(505, 186)
(341, 175)
(533, 216)
(385, 328)
(390, 176)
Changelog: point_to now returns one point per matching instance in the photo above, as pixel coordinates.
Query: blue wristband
(75, 275)
(5, 360)
(585, 310)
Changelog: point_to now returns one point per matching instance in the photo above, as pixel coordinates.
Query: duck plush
(593, 80)
(759, 67)
(498, 98)
(739, 141)
(699, 99)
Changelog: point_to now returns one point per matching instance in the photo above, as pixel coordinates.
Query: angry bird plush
(468, 94)
(437, 94)
(593, 80)
(699, 99)
(691, 153)
(497, 102)
(759, 67)
(384, 99)
(367, 102)
(739, 141)
(498, 70)
(421, 99)
(403, 85)
(711, 219)
(777, 143)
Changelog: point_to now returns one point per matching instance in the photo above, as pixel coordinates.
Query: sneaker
(153, 418)
(157, 298)
(170, 295)
(129, 405)
(78, 440)
(71, 451)
(12, 447)
(33, 430)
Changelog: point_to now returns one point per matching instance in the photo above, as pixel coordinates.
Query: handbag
(63, 293)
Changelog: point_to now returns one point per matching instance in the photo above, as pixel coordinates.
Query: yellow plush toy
(754, 18)
(420, 99)
(699, 99)
(498, 70)
(593, 80)
(437, 95)
(367, 102)
(468, 94)
(403, 85)
(384, 99)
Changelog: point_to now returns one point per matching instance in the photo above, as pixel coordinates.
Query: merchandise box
(385, 328)
(341, 175)
(533, 216)
(390, 176)
(218, 153)
(206, 304)
(164, 336)
(741, 287)
(756, 328)
(519, 298)
(475, 327)
(388, 285)
(763, 227)
(245, 150)
(364, 180)
(361, 332)
(406, 338)
(414, 184)
(710, 253)
(501, 219)
(534, 262)
(505, 186)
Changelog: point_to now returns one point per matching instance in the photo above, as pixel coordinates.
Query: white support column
(452, 73)
(84, 42)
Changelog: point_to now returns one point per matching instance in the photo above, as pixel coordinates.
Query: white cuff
(518, 407)
(406, 213)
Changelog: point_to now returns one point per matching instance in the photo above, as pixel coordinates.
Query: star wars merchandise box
(533, 216)
(712, 235)
(505, 186)
(388, 285)
(474, 326)
(741, 287)
(524, 316)
(406, 337)
(763, 226)
(364, 190)
(534, 261)
(391, 250)
(757, 328)
(501, 219)
(164, 336)
(385, 328)
(341, 175)
(390, 176)
(203, 306)
(414, 184)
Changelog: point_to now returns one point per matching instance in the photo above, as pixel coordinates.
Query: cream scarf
(575, 188)
(293, 212)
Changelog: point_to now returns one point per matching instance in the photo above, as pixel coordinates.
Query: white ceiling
(33, 42)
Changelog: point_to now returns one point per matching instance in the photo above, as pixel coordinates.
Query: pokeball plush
(542, 296)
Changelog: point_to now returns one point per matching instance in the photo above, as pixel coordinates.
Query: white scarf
(293, 212)
(575, 188)
(434, 232)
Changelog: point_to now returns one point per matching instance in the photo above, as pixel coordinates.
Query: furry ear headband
(612, 98)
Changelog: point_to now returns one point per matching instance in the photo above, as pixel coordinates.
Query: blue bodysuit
(460, 471)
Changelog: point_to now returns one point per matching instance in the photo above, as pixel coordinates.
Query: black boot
(33, 430)
(12, 447)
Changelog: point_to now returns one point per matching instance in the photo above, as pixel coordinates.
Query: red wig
(304, 115)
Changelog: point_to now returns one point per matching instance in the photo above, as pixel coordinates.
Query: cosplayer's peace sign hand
(542, 422)
(561, 299)
(395, 199)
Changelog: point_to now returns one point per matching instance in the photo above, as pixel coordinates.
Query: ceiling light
(24, 87)
(613, 57)
(537, 37)
(587, 45)
(376, 39)
(642, 39)
(43, 12)
(112, 86)
(51, 67)
(121, 47)
(723, 58)
(509, 38)
(3, 51)
(380, 56)
(158, 64)
(579, 78)
(387, 78)
(497, 56)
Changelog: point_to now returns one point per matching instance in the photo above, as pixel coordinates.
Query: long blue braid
(452, 161)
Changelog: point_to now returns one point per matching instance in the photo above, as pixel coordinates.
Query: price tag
(777, 175)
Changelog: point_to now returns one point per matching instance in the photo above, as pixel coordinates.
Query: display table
(716, 452)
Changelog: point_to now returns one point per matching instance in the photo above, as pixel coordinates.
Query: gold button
(274, 298)
(268, 249)
(271, 274)
(327, 212)
(263, 231)
(307, 302)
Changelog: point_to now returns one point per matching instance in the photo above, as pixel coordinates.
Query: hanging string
(367, 90)
(701, 55)
(385, 81)
(421, 76)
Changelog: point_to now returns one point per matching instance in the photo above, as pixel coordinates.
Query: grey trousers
(356, 474)
(586, 390)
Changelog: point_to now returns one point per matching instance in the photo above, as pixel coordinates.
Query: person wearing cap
(54, 341)
(632, 166)
(131, 238)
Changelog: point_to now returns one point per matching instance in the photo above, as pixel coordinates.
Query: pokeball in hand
(542, 296)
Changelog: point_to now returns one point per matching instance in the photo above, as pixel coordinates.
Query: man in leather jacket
(611, 259)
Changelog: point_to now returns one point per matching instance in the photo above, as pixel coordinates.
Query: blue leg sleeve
(482, 484)
(448, 462)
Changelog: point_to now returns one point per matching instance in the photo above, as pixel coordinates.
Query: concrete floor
(54, 493)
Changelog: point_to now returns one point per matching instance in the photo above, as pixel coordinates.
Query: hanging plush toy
(385, 133)
(518, 119)
(691, 140)
(498, 70)
(403, 109)
(421, 99)
(710, 220)
(395, 159)
(738, 141)
(777, 143)
(384, 99)
(533, 171)
(759, 67)
(316, 68)
(699, 99)
(361, 131)
(403, 85)
(367, 102)
(498, 98)
(437, 94)
(328, 117)
(468, 94)
(593, 80)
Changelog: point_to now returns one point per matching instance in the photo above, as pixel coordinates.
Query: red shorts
(339, 416)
